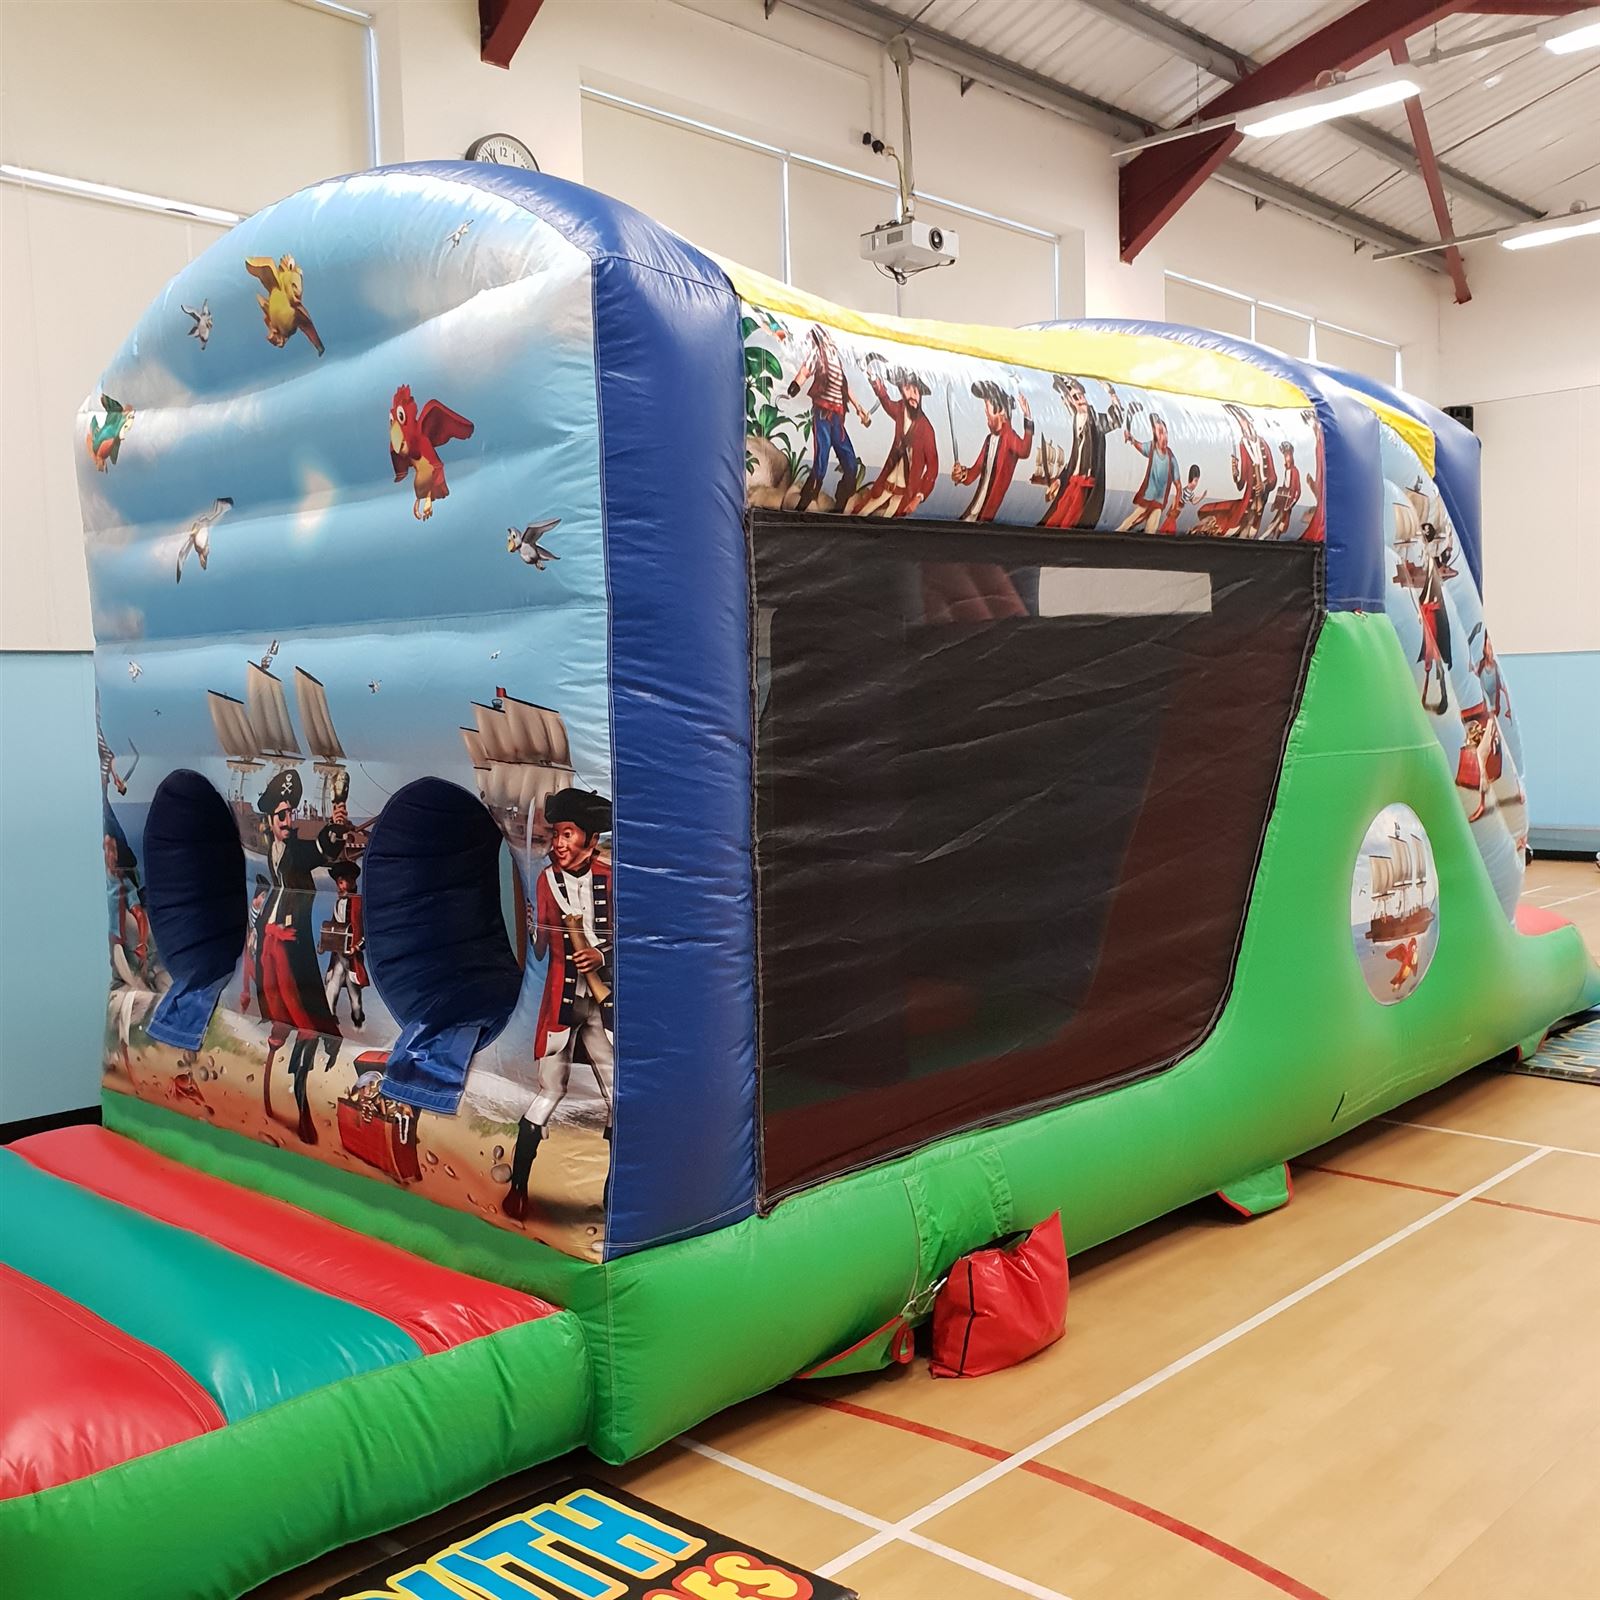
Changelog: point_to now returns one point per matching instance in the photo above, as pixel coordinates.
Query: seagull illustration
(202, 321)
(526, 543)
(135, 671)
(375, 684)
(458, 234)
(199, 534)
(494, 655)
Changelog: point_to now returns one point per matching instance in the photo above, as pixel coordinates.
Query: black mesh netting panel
(1007, 814)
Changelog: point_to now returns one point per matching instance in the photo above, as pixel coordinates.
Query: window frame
(1313, 322)
(787, 158)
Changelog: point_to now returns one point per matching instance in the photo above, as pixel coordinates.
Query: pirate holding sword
(1003, 448)
(571, 924)
(911, 468)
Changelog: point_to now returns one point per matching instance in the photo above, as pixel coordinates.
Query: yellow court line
(1173, 1369)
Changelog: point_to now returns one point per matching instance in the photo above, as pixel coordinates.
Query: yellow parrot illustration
(282, 306)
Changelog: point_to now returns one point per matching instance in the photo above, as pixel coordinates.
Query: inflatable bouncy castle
(646, 814)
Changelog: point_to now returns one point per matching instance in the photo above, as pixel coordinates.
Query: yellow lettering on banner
(674, 1546)
(423, 1582)
(445, 1567)
(534, 1549)
(761, 1581)
(702, 1586)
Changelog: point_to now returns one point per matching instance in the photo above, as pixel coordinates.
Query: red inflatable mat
(438, 1307)
(1534, 920)
(78, 1395)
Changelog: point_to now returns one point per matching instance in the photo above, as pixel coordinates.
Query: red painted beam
(502, 26)
(1422, 140)
(1156, 183)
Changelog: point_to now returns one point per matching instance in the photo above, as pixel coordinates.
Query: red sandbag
(1002, 1305)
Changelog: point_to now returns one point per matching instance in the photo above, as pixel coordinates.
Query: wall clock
(502, 150)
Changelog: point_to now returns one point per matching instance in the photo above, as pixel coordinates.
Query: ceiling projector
(902, 248)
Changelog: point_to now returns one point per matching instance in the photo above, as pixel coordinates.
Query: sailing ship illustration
(520, 756)
(258, 731)
(1417, 519)
(1400, 888)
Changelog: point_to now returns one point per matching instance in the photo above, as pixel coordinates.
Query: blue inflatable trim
(436, 943)
(195, 893)
(1457, 464)
(671, 380)
(1354, 489)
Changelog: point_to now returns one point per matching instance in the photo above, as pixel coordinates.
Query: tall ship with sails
(520, 756)
(258, 731)
(1400, 889)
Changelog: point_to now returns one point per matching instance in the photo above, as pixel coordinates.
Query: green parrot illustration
(104, 438)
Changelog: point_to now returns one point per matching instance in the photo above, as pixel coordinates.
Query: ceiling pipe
(877, 22)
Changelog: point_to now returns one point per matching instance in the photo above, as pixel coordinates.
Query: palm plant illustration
(763, 419)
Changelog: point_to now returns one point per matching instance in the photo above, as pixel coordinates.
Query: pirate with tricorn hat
(1003, 448)
(289, 983)
(571, 924)
(344, 940)
(911, 468)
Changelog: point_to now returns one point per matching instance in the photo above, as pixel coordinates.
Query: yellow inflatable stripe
(1141, 359)
(1416, 434)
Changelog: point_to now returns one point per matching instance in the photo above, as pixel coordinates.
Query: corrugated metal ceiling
(1513, 116)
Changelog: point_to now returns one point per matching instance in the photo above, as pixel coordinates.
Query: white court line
(1568, 899)
(885, 1529)
(1493, 1138)
(982, 1480)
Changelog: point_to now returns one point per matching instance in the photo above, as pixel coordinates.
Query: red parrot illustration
(1405, 958)
(414, 440)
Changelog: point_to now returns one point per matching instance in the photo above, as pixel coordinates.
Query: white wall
(179, 98)
(233, 104)
(811, 86)
(1525, 354)
(1532, 326)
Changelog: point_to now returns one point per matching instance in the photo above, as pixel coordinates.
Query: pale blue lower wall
(1557, 698)
(53, 953)
(53, 961)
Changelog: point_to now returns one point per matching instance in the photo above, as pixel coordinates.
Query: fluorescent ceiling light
(1573, 225)
(1566, 35)
(1322, 105)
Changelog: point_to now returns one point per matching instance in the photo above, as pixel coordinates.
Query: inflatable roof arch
(647, 813)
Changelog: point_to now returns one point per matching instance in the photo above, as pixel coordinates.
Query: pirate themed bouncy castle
(667, 812)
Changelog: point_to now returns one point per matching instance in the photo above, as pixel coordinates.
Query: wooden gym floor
(1389, 1390)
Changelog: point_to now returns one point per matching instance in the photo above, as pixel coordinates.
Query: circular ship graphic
(1394, 904)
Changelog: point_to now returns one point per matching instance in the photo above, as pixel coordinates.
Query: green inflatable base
(217, 1515)
(1259, 1192)
(1300, 1053)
